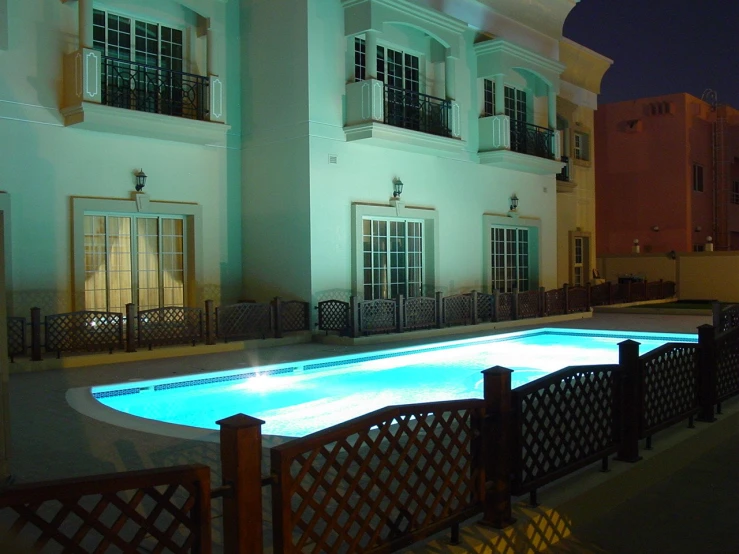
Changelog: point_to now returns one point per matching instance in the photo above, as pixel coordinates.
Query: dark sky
(662, 46)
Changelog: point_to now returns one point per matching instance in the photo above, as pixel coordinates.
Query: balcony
(518, 145)
(383, 115)
(124, 97)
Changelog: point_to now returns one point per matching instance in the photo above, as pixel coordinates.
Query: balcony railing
(420, 112)
(532, 139)
(564, 175)
(145, 88)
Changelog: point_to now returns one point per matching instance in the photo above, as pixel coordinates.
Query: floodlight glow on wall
(397, 188)
(514, 202)
(140, 180)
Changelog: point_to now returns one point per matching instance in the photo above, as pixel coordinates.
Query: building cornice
(502, 46)
(417, 11)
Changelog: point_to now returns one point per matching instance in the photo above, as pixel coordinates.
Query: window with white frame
(134, 258)
(515, 101)
(393, 257)
(697, 178)
(488, 97)
(509, 258)
(581, 146)
(578, 265)
(395, 68)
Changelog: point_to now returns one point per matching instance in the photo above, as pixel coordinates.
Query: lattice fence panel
(638, 291)
(158, 511)
(654, 290)
(727, 365)
(599, 294)
(670, 384)
(420, 312)
(669, 289)
(244, 320)
(172, 325)
(294, 315)
(485, 307)
(83, 331)
(16, 336)
(457, 309)
(566, 419)
(334, 315)
(729, 318)
(379, 478)
(620, 293)
(577, 299)
(378, 316)
(528, 304)
(505, 306)
(554, 302)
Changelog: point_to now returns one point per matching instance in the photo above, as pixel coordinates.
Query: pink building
(667, 175)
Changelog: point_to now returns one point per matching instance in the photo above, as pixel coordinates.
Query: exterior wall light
(397, 188)
(140, 180)
(655, 228)
(709, 244)
(698, 228)
(635, 248)
(514, 202)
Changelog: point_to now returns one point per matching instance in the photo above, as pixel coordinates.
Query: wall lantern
(140, 180)
(709, 244)
(698, 228)
(397, 188)
(655, 228)
(514, 202)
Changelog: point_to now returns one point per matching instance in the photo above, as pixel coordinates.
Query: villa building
(306, 149)
(668, 175)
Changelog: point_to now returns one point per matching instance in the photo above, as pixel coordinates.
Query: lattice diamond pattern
(405, 473)
(577, 299)
(84, 330)
(670, 384)
(294, 315)
(244, 320)
(172, 325)
(152, 519)
(528, 304)
(485, 307)
(333, 315)
(554, 302)
(16, 336)
(638, 291)
(565, 421)
(420, 312)
(599, 294)
(727, 366)
(457, 309)
(505, 306)
(729, 319)
(377, 316)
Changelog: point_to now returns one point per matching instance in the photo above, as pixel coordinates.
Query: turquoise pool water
(298, 398)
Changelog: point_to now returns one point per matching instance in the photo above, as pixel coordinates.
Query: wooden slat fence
(380, 481)
(155, 510)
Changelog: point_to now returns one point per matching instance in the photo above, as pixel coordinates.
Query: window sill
(107, 119)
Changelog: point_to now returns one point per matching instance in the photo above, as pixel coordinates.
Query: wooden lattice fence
(173, 325)
(83, 331)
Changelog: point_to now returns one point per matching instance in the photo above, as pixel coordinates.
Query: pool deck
(682, 493)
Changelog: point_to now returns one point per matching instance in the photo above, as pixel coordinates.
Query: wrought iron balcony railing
(564, 175)
(420, 112)
(136, 86)
(532, 139)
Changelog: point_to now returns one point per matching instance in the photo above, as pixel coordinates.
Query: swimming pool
(298, 398)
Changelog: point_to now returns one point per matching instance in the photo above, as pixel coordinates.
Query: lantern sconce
(698, 228)
(655, 228)
(140, 180)
(514, 202)
(397, 188)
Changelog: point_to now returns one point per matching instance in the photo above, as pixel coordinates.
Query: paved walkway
(51, 440)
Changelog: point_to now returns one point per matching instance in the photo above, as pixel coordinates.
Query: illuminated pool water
(298, 398)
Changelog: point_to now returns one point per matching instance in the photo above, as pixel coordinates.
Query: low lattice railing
(578, 300)
(457, 309)
(485, 307)
(419, 313)
(728, 318)
(669, 386)
(637, 291)
(528, 304)
(600, 294)
(294, 315)
(654, 290)
(83, 331)
(155, 510)
(554, 302)
(378, 316)
(564, 421)
(243, 320)
(172, 325)
(334, 315)
(504, 310)
(379, 481)
(727, 364)
(16, 337)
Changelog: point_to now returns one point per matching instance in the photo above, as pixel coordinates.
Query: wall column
(370, 54)
(499, 95)
(450, 70)
(552, 107)
(213, 39)
(84, 13)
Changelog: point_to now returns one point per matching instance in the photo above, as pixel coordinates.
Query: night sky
(662, 46)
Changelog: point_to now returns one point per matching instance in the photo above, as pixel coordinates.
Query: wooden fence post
(707, 395)
(354, 310)
(475, 316)
(399, 312)
(716, 312)
(277, 306)
(497, 441)
(210, 319)
(241, 466)
(35, 334)
(130, 327)
(496, 305)
(628, 406)
(439, 310)
(514, 303)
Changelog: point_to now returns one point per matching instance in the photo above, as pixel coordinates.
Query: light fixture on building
(698, 228)
(397, 188)
(140, 180)
(635, 248)
(709, 244)
(655, 228)
(514, 202)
